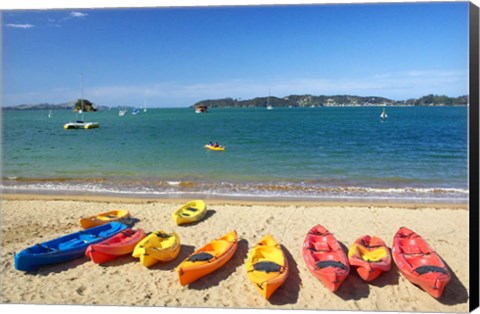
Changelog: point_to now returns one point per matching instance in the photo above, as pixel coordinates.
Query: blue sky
(174, 57)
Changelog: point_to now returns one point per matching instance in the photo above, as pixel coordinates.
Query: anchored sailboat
(269, 107)
(383, 115)
(80, 123)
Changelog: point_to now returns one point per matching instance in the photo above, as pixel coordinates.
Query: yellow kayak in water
(267, 266)
(190, 212)
(212, 147)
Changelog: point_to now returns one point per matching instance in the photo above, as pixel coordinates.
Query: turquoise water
(418, 153)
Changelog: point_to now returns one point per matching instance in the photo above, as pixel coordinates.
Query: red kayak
(325, 258)
(419, 263)
(370, 256)
(121, 244)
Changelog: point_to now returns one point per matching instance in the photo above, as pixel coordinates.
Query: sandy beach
(30, 219)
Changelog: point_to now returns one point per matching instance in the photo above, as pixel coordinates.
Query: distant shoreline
(287, 101)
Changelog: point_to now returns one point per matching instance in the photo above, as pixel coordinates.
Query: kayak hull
(370, 256)
(65, 248)
(103, 218)
(419, 263)
(267, 266)
(215, 148)
(158, 246)
(325, 258)
(122, 243)
(190, 212)
(217, 253)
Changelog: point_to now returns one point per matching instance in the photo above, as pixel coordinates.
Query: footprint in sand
(81, 290)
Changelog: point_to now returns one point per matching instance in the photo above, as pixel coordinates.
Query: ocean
(418, 154)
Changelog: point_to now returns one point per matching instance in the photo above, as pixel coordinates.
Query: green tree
(85, 105)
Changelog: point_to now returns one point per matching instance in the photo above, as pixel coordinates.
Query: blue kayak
(65, 248)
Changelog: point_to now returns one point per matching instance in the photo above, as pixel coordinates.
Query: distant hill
(331, 101)
(44, 106)
(73, 105)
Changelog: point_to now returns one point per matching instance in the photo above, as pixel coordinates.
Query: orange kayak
(419, 263)
(103, 218)
(370, 256)
(120, 244)
(325, 258)
(208, 258)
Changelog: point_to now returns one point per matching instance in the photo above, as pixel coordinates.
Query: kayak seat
(200, 257)
(324, 264)
(319, 233)
(430, 269)
(163, 235)
(185, 214)
(45, 247)
(319, 247)
(192, 209)
(411, 250)
(71, 244)
(268, 267)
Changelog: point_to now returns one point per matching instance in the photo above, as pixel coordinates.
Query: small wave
(285, 190)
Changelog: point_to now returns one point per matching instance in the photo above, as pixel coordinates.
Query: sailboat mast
(81, 92)
(81, 96)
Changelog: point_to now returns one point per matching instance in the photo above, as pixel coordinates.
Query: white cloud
(77, 14)
(24, 26)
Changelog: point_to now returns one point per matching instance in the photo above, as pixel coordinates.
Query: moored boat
(79, 124)
(120, 244)
(208, 258)
(325, 258)
(267, 266)
(419, 263)
(64, 248)
(370, 256)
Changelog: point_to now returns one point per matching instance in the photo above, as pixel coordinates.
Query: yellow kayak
(267, 266)
(190, 212)
(208, 258)
(211, 147)
(103, 218)
(159, 246)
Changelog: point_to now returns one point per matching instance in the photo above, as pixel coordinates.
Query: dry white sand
(31, 219)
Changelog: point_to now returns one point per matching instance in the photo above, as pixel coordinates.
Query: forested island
(331, 101)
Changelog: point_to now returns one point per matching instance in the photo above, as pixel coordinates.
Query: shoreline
(229, 201)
